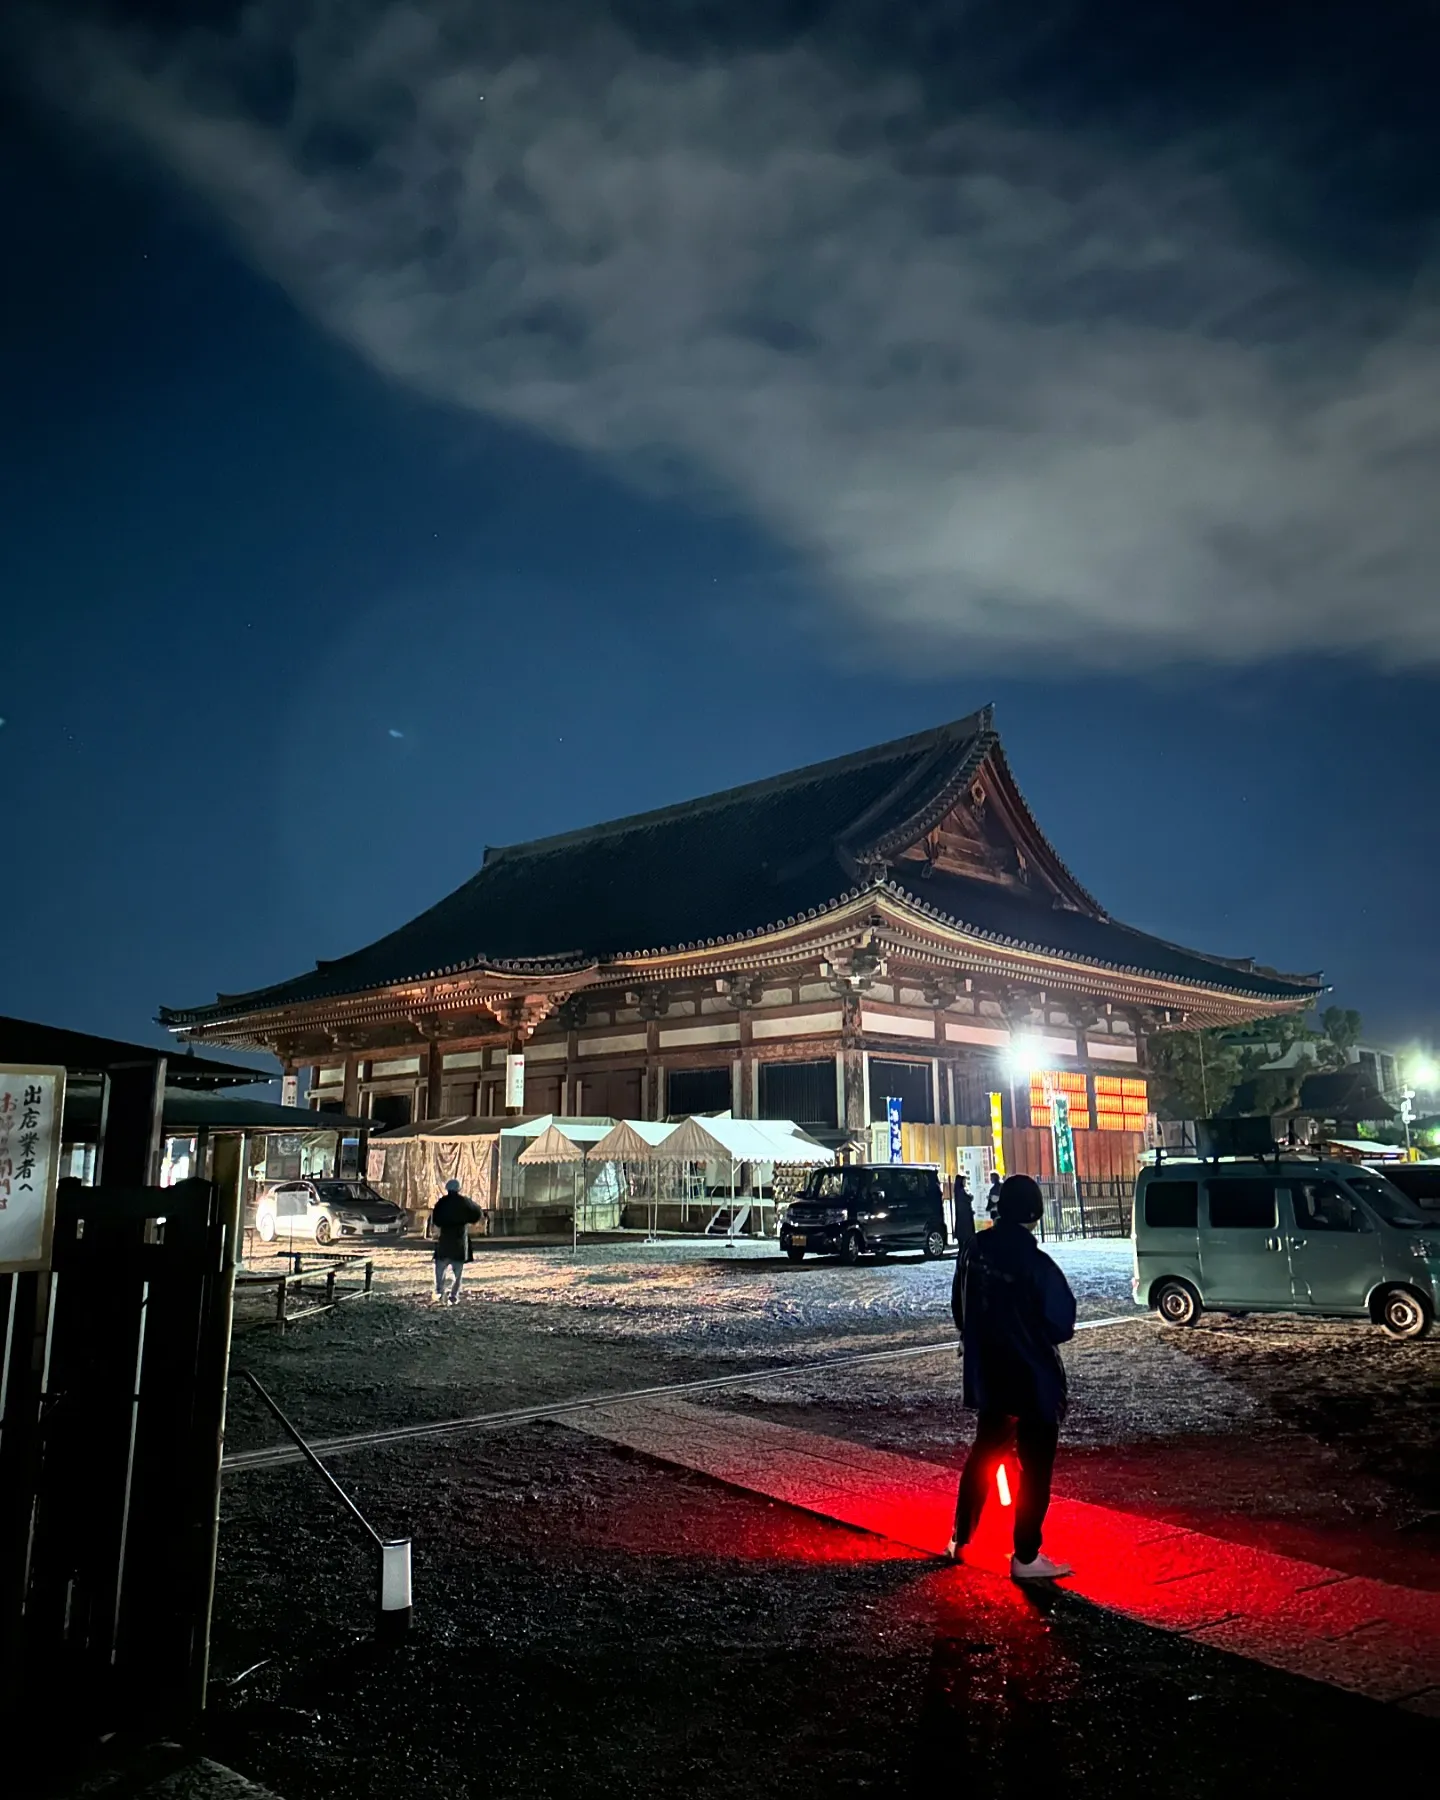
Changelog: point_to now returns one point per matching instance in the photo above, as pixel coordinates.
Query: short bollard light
(394, 1619)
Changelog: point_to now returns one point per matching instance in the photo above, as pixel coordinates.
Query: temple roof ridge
(955, 734)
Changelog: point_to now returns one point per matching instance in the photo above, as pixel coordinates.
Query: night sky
(390, 471)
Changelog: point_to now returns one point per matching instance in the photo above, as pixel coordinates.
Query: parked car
(1284, 1234)
(848, 1212)
(1419, 1182)
(325, 1211)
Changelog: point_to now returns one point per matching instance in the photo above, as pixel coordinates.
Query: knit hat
(1020, 1200)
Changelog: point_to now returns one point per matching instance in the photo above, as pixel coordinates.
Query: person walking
(992, 1199)
(1012, 1308)
(451, 1218)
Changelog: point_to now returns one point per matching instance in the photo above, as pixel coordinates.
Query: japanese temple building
(891, 923)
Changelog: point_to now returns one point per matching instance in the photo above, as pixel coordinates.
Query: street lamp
(1420, 1074)
(1021, 1060)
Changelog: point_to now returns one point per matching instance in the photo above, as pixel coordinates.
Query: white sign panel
(32, 1112)
(289, 1090)
(515, 1080)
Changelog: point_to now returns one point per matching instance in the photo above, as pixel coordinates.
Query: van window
(1393, 1207)
(1242, 1205)
(1325, 1206)
(1172, 1205)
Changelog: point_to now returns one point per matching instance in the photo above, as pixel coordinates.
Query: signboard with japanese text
(289, 1090)
(32, 1112)
(1061, 1134)
(997, 1132)
(893, 1107)
(515, 1080)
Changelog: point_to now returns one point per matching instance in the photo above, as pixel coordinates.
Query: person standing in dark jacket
(451, 1217)
(964, 1210)
(1013, 1308)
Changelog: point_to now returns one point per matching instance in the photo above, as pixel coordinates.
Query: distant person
(451, 1218)
(1012, 1308)
(992, 1199)
(964, 1209)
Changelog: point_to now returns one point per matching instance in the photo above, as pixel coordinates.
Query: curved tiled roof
(722, 868)
(999, 914)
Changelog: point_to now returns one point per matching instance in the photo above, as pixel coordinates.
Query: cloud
(1003, 388)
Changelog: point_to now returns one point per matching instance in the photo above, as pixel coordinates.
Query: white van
(1283, 1234)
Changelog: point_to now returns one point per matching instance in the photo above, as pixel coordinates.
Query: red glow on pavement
(1002, 1484)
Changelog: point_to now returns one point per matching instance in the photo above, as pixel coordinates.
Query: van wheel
(1403, 1314)
(1176, 1302)
(850, 1248)
(934, 1244)
(795, 1255)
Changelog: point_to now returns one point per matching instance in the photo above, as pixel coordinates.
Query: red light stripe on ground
(1370, 1637)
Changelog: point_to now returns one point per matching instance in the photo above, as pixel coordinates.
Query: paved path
(1370, 1637)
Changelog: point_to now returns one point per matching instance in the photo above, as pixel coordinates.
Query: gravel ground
(1314, 1437)
(594, 1623)
(541, 1324)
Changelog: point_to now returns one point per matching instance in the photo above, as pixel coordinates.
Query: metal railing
(1086, 1208)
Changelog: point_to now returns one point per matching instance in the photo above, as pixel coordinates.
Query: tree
(1342, 1029)
(1194, 1073)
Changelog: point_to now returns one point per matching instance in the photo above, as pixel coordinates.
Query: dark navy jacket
(1012, 1307)
(451, 1219)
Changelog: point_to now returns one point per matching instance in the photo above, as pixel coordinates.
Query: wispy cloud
(1003, 388)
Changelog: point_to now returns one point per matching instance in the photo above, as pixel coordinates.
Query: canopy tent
(766, 1141)
(413, 1162)
(758, 1143)
(552, 1146)
(569, 1142)
(642, 1144)
(695, 1142)
(634, 1140)
(492, 1158)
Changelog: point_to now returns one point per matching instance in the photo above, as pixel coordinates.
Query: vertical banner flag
(997, 1133)
(32, 1111)
(515, 1079)
(1061, 1134)
(892, 1116)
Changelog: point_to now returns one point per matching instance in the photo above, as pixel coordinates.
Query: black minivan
(849, 1211)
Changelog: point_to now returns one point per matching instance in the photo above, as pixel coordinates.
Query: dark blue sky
(289, 640)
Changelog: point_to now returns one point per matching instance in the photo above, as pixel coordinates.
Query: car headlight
(834, 1216)
(867, 1218)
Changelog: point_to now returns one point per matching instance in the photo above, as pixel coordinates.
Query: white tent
(760, 1143)
(638, 1144)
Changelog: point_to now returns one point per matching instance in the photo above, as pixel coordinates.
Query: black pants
(1035, 1441)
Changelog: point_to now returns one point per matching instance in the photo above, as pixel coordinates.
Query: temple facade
(891, 923)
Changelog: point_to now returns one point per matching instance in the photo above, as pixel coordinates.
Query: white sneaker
(1041, 1569)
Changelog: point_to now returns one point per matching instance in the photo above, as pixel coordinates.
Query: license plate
(797, 1240)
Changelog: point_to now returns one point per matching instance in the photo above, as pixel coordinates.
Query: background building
(891, 923)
